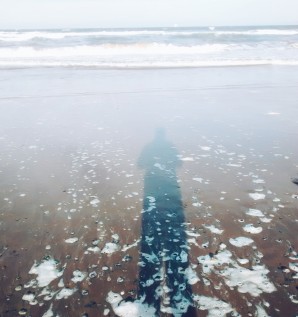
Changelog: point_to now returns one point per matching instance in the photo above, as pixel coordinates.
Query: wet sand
(74, 197)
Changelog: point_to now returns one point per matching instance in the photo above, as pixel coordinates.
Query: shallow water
(84, 182)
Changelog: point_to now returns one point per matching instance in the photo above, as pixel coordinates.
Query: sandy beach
(104, 215)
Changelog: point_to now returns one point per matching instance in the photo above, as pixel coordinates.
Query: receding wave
(26, 36)
(112, 49)
(146, 64)
(258, 32)
(22, 36)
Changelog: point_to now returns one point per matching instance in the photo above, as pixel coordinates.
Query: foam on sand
(110, 247)
(65, 293)
(131, 309)
(78, 276)
(46, 271)
(213, 229)
(257, 196)
(30, 297)
(251, 229)
(255, 213)
(214, 306)
(71, 240)
(49, 312)
(261, 312)
(241, 241)
(191, 276)
(253, 281)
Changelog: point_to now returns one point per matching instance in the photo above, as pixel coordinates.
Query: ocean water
(150, 47)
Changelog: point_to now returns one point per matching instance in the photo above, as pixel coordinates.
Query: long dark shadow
(164, 253)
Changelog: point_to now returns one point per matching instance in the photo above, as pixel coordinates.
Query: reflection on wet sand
(70, 192)
(164, 250)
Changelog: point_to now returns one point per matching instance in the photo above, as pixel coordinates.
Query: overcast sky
(142, 13)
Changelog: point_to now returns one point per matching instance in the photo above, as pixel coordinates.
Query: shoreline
(145, 68)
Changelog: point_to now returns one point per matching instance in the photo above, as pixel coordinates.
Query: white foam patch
(61, 283)
(209, 262)
(293, 299)
(258, 181)
(192, 241)
(251, 229)
(78, 276)
(233, 165)
(198, 179)
(180, 308)
(159, 166)
(94, 249)
(215, 307)
(71, 240)
(191, 276)
(65, 293)
(266, 220)
(110, 247)
(192, 234)
(106, 312)
(243, 261)
(255, 213)
(94, 202)
(152, 204)
(293, 266)
(272, 113)
(261, 312)
(253, 281)
(49, 312)
(131, 309)
(46, 272)
(115, 237)
(205, 148)
(241, 241)
(187, 159)
(129, 246)
(257, 196)
(30, 297)
(213, 229)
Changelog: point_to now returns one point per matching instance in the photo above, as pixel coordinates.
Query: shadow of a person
(164, 252)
